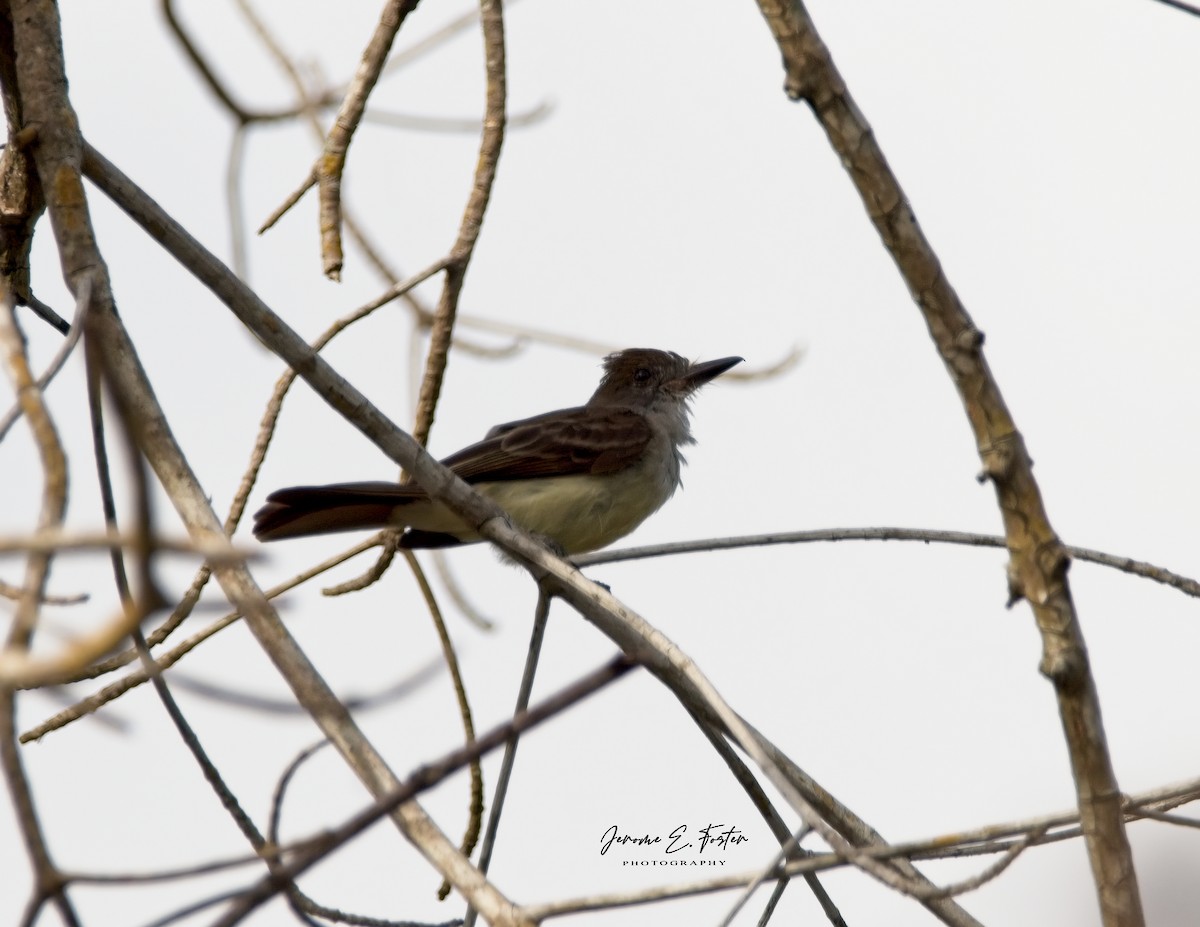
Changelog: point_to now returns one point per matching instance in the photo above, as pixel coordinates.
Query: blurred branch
(164, 661)
(29, 33)
(1180, 5)
(9, 591)
(468, 609)
(47, 880)
(1037, 561)
(523, 332)
(19, 668)
(53, 465)
(450, 124)
(82, 302)
(253, 701)
(59, 541)
(241, 113)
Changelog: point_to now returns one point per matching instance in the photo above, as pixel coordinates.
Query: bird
(578, 478)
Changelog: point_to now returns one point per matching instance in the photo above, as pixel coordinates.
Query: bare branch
(1184, 584)
(1037, 561)
(333, 159)
(491, 16)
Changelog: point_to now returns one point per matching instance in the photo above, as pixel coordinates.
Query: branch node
(1066, 668)
(969, 340)
(25, 137)
(1016, 591)
(998, 460)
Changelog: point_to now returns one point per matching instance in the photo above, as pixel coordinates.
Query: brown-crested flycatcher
(581, 477)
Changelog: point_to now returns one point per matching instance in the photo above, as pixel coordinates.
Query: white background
(674, 198)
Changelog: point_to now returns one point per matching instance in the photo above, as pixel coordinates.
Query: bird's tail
(300, 511)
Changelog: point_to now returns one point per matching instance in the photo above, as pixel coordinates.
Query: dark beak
(705, 371)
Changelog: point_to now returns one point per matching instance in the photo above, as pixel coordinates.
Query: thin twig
(9, 591)
(475, 810)
(143, 551)
(1184, 584)
(450, 124)
(750, 785)
(55, 540)
(788, 847)
(491, 18)
(532, 658)
(83, 300)
(333, 159)
(310, 109)
(491, 141)
(242, 114)
(465, 606)
(1180, 5)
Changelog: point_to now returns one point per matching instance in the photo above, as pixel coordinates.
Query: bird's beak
(703, 372)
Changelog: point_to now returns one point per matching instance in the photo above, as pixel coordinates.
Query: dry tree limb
(327, 172)
(164, 661)
(1037, 560)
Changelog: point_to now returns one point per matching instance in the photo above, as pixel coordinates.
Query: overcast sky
(672, 197)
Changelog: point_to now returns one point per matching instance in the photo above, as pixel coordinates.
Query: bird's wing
(570, 441)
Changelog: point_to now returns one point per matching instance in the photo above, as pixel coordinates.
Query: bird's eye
(642, 375)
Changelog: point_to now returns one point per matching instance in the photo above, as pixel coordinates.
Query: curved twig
(83, 300)
(1184, 584)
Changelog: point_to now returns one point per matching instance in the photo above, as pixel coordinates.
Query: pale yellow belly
(582, 513)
